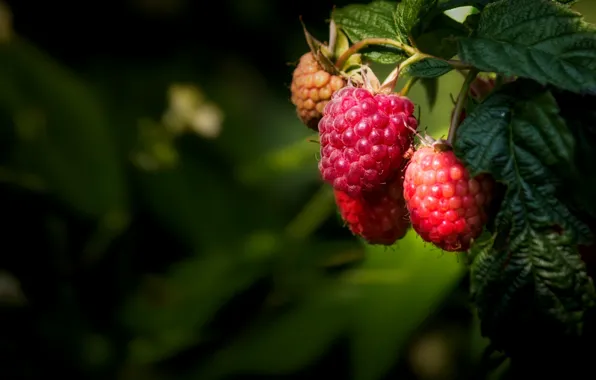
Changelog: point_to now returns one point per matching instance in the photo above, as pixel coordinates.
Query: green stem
(320, 206)
(459, 65)
(389, 83)
(406, 88)
(459, 105)
(372, 41)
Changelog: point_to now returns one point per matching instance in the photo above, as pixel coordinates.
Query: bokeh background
(163, 218)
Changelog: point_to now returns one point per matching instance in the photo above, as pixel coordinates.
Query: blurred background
(163, 217)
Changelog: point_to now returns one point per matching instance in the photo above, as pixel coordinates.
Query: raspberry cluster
(382, 184)
(364, 139)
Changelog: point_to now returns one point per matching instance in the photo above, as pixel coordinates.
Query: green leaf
(169, 313)
(580, 116)
(518, 136)
(431, 87)
(531, 279)
(62, 135)
(452, 4)
(190, 198)
(396, 288)
(287, 342)
(439, 40)
(542, 40)
(534, 287)
(440, 37)
(373, 20)
(472, 21)
(429, 68)
(288, 160)
(411, 13)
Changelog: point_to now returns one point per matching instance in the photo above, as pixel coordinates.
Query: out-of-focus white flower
(207, 120)
(189, 111)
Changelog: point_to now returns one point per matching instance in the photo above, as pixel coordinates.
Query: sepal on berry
(321, 53)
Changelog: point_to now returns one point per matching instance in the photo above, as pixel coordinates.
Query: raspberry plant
(522, 122)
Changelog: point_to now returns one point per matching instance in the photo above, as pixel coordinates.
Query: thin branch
(459, 65)
(391, 80)
(461, 100)
(314, 213)
(406, 88)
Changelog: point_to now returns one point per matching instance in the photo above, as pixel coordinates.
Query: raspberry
(447, 207)
(379, 217)
(312, 88)
(481, 87)
(363, 138)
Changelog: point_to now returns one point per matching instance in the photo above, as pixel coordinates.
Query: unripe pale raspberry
(364, 138)
(312, 88)
(482, 86)
(446, 206)
(379, 217)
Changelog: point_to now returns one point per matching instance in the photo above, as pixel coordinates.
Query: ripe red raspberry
(447, 207)
(312, 88)
(364, 138)
(379, 217)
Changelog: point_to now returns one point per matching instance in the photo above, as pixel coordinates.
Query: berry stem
(389, 83)
(406, 88)
(372, 41)
(314, 213)
(459, 105)
(458, 65)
